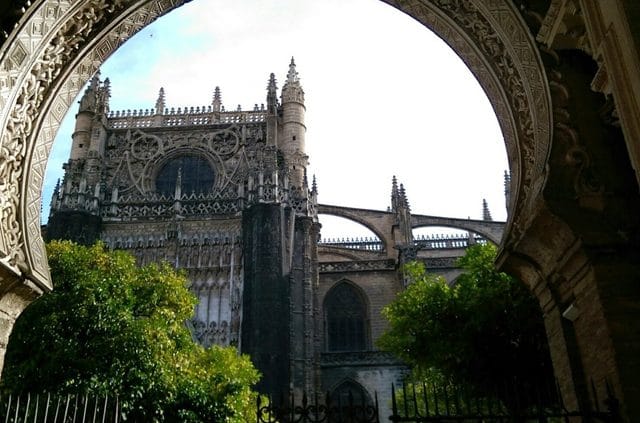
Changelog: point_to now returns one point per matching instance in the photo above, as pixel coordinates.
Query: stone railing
(194, 116)
(366, 243)
(445, 241)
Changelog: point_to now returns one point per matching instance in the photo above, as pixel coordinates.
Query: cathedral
(224, 195)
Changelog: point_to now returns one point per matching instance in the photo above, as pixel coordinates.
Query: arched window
(196, 175)
(346, 319)
(350, 392)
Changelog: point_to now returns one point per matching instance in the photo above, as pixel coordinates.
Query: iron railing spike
(425, 395)
(104, 410)
(37, 407)
(15, 419)
(26, 409)
(446, 400)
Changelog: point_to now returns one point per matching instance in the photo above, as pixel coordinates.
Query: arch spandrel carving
(48, 57)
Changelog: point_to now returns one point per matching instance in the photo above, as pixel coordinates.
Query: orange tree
(485, 332)
(111, 327)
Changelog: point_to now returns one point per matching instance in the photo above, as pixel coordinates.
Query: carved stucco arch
(58, 45)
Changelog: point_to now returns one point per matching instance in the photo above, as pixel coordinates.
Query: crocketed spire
(272, 93)
(217, 100)
(486, 214)
(160, 102)
(292, 75)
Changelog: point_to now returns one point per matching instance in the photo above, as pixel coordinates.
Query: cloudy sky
(384, 97)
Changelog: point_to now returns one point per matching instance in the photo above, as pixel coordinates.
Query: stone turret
(291, 137)
(75, 207)
(81, 137)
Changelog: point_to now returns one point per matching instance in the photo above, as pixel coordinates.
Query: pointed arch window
(193, 172)
(346, 319)
(350, 392)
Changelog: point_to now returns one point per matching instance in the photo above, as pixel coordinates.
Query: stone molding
(359, 358)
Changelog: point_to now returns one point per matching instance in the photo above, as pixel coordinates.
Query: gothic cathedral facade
(224, 196)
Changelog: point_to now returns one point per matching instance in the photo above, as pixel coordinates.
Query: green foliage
(483, 332)
(111, 327)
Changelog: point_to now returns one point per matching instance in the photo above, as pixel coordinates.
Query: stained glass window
(196, 175)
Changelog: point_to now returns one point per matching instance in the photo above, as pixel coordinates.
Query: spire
(314, 190)
(217, 100)
(507, 187)
(394, 194)
(90, 97)
(105, 95)
(160, 104)
(486, 214)
(272, 94)
(292, 90)
(404, 202)
(292, 75)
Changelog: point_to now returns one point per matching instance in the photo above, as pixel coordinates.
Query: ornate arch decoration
(57, 45)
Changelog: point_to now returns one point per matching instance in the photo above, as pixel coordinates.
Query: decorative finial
(160, 102)
(217, 100)
(292, 75)
(314, 186)
(486, 214)
(106, 87)
(507, 187)
(394, 194)
(402, 198)
(272, 93)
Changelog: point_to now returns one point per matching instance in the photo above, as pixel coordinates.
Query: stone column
(265, 320)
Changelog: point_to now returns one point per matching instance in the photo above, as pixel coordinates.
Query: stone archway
(56, 45)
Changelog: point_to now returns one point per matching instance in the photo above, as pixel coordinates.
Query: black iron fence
(49, 408)
(317, 409)
(424, 402)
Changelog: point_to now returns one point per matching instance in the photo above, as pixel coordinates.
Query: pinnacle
(217, 99)
(160, 102)
(486, 214)
(292, 75)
